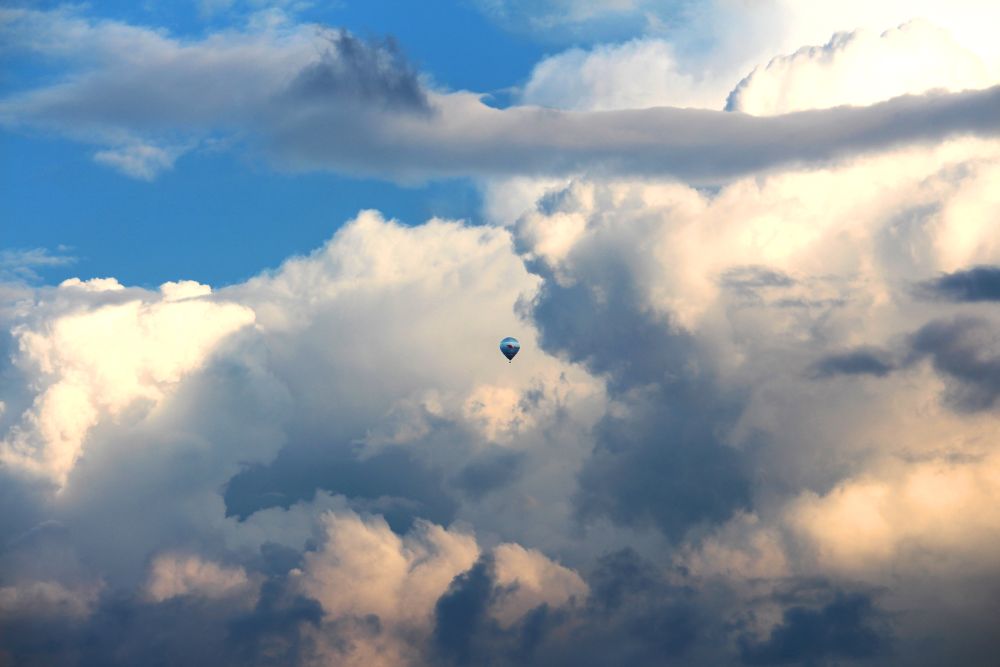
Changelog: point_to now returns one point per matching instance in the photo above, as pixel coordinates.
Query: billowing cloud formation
(113, 357)
(738, 432)
(860, 68)
(312, 472)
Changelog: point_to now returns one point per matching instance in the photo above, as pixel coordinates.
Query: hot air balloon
(509, 346)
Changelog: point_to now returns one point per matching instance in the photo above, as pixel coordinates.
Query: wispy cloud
(25, 264)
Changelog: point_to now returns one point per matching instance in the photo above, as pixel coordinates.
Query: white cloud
(140, 161)
(634, 75)
(531, 580)
(174, 575)
(862, 68)
(93, 284)
(365, 569)
(129, 395)
(96, 363)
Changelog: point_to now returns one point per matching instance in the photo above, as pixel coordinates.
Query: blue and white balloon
(509, 346)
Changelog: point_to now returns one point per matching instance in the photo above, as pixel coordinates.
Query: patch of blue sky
(217, 217)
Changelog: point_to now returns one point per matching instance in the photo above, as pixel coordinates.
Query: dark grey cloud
(664, 463)
(963, 350)
(632, 617)
(401, 486)
(361, 72)
(665, 466)
(980, 283)
(859, 361)
(125, 630)
(659, 619)
(271, 633)
(462, 611)
(490, 472)
(849, 627)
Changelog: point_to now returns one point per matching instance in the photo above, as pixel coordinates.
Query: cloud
(858, 526)
(382, 593)
(394, 482)
(632, 615)
(633, 75)
(351, 70)
(218, 421)
(46, 599)
(139, 161)
(174, 575)
(841, 629)
(860, 68)
(981, 283)
(695, 145)
(490, 473)
(359, 108)
(962, 350)
(23, 265)
(855, 362)
(115, 357)
(330, 462)
(305, 487)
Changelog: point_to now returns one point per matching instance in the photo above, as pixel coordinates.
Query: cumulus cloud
(637, 74)
(102, 362)
(382, 593)
(861, 68)
(258, 444)
(738, 431)
(831, 298)
(202, 414)
(303, 481)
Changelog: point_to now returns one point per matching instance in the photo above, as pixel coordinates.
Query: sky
(256, 258)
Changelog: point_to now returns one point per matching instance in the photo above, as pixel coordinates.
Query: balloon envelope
(509, 346)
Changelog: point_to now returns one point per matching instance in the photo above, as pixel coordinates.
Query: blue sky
(246, 216)
(256, 257)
